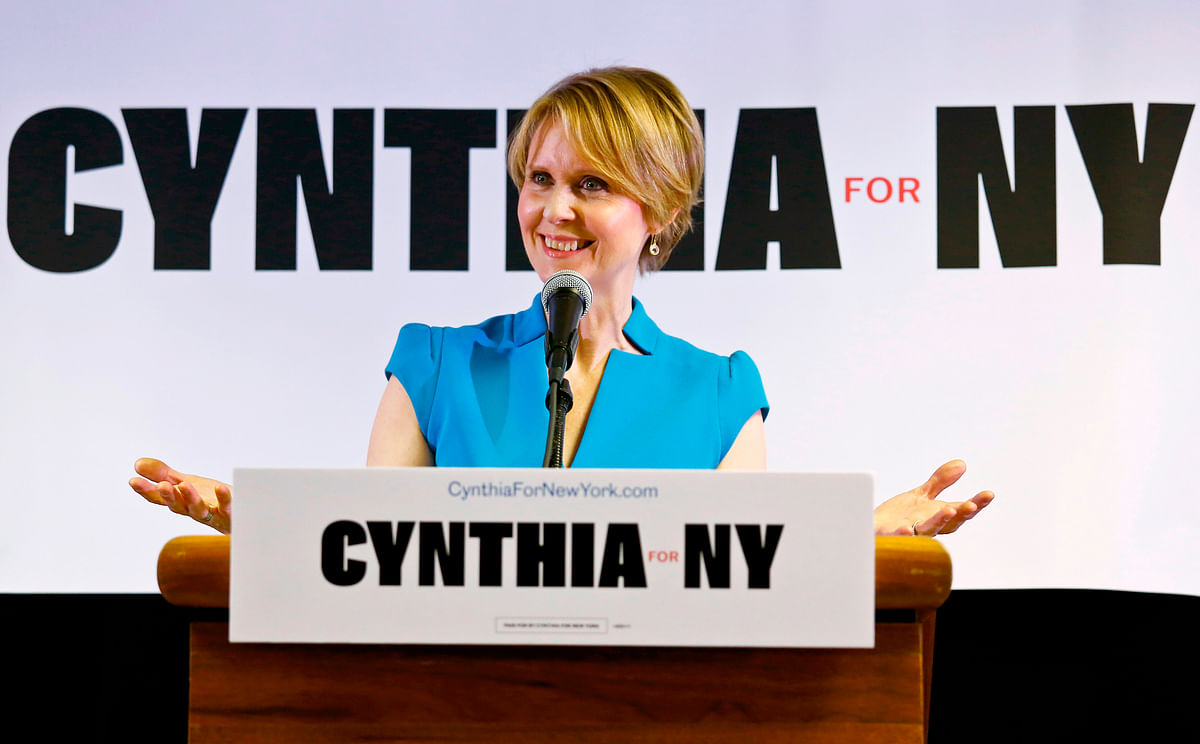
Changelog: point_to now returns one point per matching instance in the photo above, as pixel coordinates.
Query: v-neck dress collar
(530, 326)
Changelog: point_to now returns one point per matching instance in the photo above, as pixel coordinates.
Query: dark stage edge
(1010, 666)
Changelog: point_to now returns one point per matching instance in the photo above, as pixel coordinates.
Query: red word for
(880, 189)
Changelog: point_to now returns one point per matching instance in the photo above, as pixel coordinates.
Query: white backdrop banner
(940, 229)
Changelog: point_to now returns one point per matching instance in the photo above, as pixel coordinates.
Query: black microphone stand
(558, 401)
(559, 398)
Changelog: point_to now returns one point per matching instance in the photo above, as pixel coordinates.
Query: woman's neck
(602, 329)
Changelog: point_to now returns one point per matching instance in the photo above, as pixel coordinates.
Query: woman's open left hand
(919, 512)
(205, 500)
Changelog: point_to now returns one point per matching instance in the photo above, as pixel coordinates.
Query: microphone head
(567, 279)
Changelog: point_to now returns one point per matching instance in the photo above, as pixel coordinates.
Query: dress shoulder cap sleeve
(415, 362)
(739, 394)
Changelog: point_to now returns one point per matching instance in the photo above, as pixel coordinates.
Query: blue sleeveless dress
(479, 395)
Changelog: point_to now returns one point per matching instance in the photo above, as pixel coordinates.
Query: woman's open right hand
(205, 500)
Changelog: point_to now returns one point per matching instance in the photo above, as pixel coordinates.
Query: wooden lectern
(348, 693)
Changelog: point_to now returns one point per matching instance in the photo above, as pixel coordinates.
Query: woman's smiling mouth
(564, 243)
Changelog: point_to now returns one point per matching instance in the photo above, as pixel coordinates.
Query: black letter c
(334, 565)
(37, 190)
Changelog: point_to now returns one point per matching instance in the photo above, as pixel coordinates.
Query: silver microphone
(566, 299)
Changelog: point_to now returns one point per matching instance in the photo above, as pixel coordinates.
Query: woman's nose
(560, 206)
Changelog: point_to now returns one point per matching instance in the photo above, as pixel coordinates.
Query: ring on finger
(914, 527)
(207, 518)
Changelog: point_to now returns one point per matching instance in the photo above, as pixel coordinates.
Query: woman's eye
(539, 178)
(591, 183)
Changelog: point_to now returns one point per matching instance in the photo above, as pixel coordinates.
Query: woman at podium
(609, 164)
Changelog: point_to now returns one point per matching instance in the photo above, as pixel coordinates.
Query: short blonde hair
(640, 134)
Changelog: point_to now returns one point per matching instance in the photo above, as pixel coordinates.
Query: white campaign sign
(559, 557)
